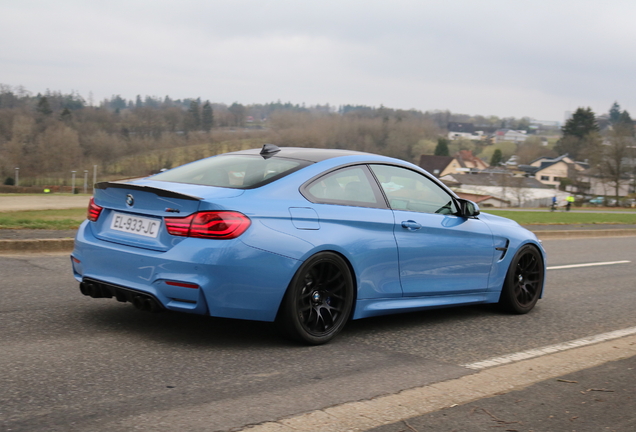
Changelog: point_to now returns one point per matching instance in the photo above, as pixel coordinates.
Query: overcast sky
(491, 57)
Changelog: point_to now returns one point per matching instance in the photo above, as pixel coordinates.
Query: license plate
(135, 224)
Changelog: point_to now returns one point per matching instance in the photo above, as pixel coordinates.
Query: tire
(524, 281)
(318, 301)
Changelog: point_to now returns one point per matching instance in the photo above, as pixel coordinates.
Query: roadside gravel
(42, 202)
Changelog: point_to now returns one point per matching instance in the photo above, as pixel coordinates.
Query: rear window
(232, 171)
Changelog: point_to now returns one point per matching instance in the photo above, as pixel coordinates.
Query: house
(580, 177)
(515, 136)
(463, 161)
(551, 171)
(457, 130)
(592, 183)
(467, 160)
(440, 165)
(484, 200)
(539, 126)
(519, 190)
(602, 179)
(512, 162)
(476, 136)
(461, 127)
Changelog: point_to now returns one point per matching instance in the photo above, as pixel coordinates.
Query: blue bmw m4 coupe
(306, 238)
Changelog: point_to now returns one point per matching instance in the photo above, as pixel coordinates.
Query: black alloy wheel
(524, 281)
(318, 301)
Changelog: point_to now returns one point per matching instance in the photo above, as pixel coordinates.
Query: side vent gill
(503, 250)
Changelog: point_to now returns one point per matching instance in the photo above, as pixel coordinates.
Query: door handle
(411, 225)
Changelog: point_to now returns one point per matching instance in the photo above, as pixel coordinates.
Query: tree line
(607, 144)
(47, 135)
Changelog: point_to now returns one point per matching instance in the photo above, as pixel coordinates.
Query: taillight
(93, 210)
(209, 224)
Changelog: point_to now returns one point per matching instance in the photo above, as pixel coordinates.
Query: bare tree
(238, 111)
(614, 166)
(532, 149)
(58, 150)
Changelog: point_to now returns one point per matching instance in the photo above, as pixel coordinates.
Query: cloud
(534, 58)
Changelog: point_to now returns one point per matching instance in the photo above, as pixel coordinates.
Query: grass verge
(565, 218)
(43, 219)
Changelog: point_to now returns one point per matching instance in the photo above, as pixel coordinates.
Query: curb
(383, 410)
(37, 245)
(563, 234)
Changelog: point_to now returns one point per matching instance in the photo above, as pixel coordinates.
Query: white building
(516, 136)
(519, 191)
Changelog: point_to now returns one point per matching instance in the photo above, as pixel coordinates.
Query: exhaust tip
(121, 296)
(138, 302)
(147, 304)
(84, 289)
(94, 290)
(152, 305)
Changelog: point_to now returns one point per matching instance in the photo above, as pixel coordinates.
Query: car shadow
(182, 328)
(188, 329)
(429, 317)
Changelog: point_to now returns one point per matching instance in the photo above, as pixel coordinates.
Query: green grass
(565, 218)
(43, 219)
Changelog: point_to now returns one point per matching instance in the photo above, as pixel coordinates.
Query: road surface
(72, 363)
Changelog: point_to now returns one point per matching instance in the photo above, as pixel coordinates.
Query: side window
(347, 186)
(412, 191)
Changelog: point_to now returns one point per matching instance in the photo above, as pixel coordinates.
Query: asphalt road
(72, 363)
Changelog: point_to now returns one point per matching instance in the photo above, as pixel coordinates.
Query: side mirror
(467, 208)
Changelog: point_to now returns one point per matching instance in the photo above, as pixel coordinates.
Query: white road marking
(537, 352)
(587, 265)
(383, 410)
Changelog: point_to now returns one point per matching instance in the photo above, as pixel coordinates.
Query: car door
(356, 221)
(439, 252)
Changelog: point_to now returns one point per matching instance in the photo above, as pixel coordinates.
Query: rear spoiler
(155, 190)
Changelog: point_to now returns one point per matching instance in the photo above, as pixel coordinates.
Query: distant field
(565, 218)
(176, 156)
(43, 219)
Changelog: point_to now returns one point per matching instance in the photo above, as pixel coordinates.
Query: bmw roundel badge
(130, 200)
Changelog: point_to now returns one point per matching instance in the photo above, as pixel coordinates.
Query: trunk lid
(134, 210)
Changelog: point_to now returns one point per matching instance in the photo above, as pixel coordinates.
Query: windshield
(232, 171)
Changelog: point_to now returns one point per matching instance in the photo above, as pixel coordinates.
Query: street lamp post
(85, 180)
(73, 182)
(94, 175)
(17, 176)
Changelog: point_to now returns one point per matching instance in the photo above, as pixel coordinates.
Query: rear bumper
(230, 279)
(98, 289)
